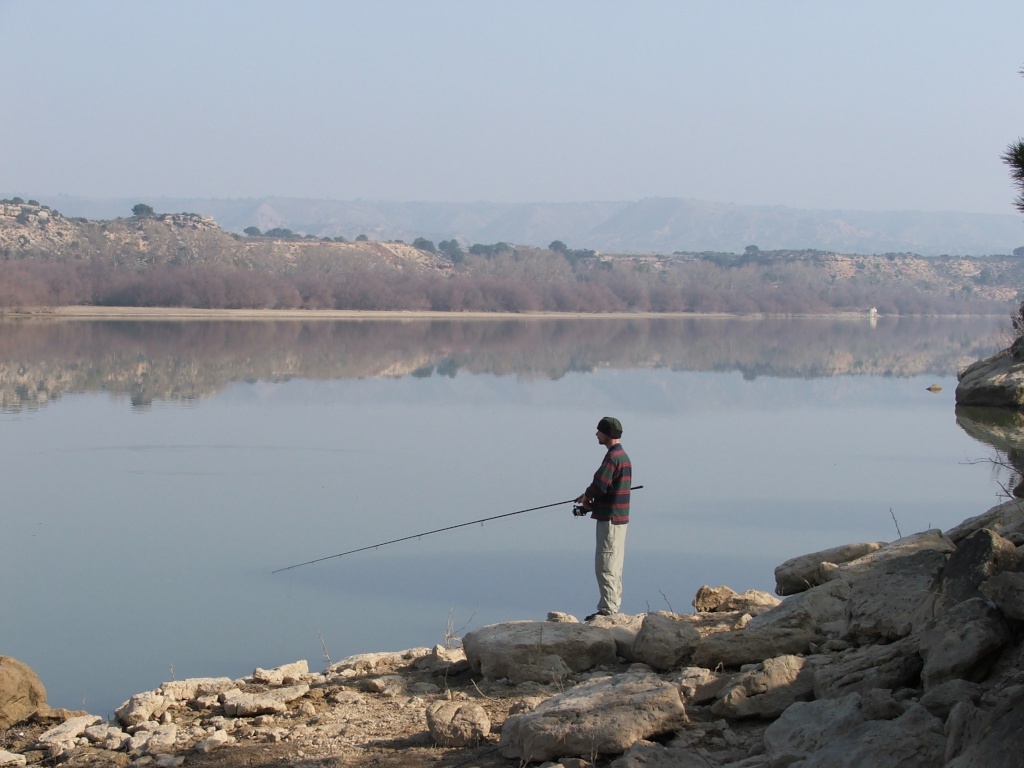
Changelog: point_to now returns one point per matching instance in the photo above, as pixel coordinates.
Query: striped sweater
(609, 492)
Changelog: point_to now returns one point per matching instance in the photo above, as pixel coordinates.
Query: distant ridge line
(650, 225)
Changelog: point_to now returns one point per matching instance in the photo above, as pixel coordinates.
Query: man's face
(602, 438)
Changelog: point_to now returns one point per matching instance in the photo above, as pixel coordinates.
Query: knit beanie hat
(610, 426)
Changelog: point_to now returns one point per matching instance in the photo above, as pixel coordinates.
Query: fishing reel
(578, 510)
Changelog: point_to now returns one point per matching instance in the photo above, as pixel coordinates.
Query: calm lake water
(156, 473)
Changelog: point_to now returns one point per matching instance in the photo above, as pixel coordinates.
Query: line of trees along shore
(511, 282)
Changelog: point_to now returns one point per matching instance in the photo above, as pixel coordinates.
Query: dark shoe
(593, 616)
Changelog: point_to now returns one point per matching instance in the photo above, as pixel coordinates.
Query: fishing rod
(578, 511)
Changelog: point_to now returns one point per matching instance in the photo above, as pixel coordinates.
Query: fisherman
(607, 500)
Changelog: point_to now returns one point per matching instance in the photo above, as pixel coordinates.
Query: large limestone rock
(751, 646)
(803, 572)
(286, 674)
(665, 641)
(809, 610)
(708, 598)
(237, 703)
(21, 692)
(751, 601)
(768, 690)
(989, 735)
(148, 705)
(940, 699)
(978, 557)
(892, 590)
(1006, 590)
(1002, 518)
(996, 381)
(893, 666)
(600, 717)
(457, 723)
(913, 740)
(806, 727)
(962, 642)
(493, 649)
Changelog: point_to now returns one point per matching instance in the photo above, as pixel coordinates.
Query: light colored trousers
(608, 558)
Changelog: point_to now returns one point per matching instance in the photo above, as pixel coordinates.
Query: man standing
(607, 500)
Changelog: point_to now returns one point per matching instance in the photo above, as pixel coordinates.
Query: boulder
(1006, 591)
(21, 692)
(894, 666)
(623, 627)
(273, 702)
(492, 649)
(892, 590)
(219, 738)
(750, 646)
(752, 601)
(913, 740)
(962, 642)
(806, 727)
(995, 381)
(287, 674)
(665, 641)
(457, 723)
(803, 572)
(547, 670)
(978, 557)
(766, 691)
(717, 621)
(690, 679)
(709, 598)
(158, 740)
(600, 717)
(141, 707)
(193, 688)
(987, 736)
(1008, 516)
(940, 699)
(809, 610)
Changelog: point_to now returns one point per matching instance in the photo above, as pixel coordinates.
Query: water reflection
(1003, 430)
(257, 445)
(179, 361)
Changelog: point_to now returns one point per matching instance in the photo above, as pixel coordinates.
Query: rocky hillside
(755, 281)
(32, 231)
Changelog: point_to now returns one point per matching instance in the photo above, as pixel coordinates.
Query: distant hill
(653, 225)
(187, 260)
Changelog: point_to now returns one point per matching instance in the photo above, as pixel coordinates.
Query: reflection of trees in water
(181, 360)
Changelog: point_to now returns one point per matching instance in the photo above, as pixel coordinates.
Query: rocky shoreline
(906, 653)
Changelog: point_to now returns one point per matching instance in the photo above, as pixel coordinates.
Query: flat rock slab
(800, 573)
(599, 717)
(495, 649)
(751, 646)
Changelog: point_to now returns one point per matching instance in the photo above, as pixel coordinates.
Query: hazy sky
(819, 104)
